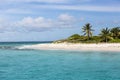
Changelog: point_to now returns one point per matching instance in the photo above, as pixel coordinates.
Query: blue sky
(46, 20)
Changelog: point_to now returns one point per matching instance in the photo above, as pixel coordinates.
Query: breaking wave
(23, 47)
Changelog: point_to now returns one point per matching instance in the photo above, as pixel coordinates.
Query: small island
(107, 40)
(105, 36)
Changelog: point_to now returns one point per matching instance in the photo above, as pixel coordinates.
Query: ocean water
(24, 64)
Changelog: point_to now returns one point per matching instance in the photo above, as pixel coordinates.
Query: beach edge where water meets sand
(75, 47)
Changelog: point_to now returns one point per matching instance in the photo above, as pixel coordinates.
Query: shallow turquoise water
(58, 65)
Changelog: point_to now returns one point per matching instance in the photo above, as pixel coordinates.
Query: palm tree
(115, 32)
(87, 30)
(105, 34)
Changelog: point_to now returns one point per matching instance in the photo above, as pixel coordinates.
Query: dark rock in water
(7, 47)
(12, 48)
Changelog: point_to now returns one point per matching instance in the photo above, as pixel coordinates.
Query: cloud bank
(39, 23)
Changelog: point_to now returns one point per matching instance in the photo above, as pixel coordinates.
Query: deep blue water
(57, 65)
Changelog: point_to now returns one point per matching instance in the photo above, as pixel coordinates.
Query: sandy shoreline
(75, 47)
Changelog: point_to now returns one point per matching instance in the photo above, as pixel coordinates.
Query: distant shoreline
(75, 47)
(26, 41)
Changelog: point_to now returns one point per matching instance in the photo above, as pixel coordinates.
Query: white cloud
(65, 17)
(22, 1)
(35, 24)
(65, 20)
(46, 1)
(107, 8)
(85, 0)
(17, 11)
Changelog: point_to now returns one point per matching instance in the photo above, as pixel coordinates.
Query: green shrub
(115, 41)
(74, 37)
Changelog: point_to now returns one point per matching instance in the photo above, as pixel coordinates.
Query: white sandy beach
(75, 47)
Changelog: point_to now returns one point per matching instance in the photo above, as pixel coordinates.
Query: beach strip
(75, 47)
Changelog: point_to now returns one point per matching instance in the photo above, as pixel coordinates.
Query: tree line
(106, 34)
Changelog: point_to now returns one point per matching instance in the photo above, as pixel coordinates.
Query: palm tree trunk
(106, 40)
(88, 35)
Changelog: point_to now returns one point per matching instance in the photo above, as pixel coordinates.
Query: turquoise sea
(24, 64)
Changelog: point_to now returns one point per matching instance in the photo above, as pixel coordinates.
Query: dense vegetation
(106, 35)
